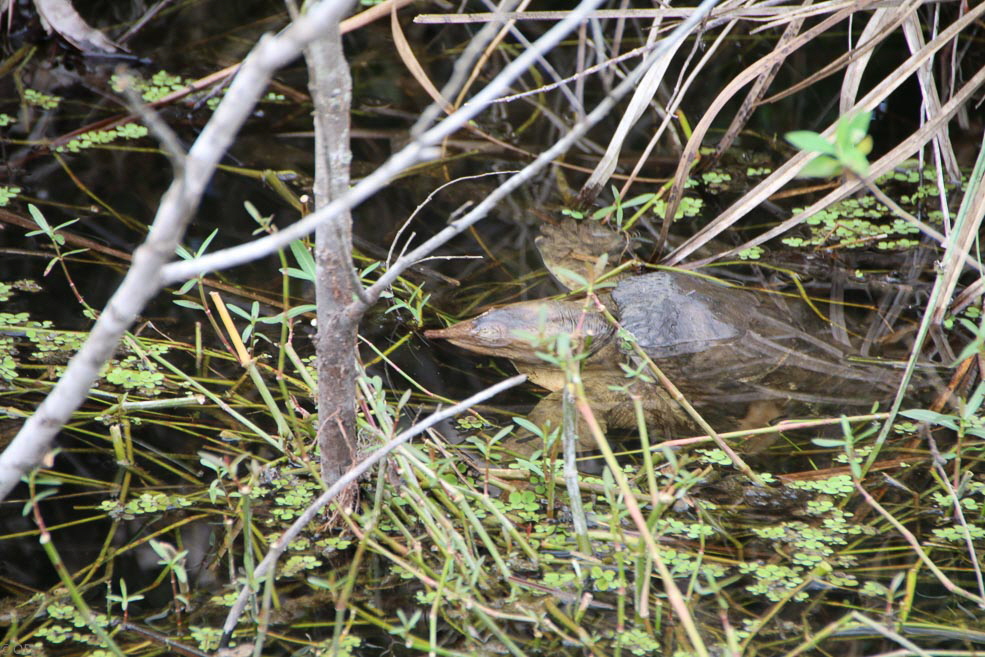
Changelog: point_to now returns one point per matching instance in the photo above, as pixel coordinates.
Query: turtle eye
(490, 333)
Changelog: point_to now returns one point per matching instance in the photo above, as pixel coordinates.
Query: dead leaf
(60, 16)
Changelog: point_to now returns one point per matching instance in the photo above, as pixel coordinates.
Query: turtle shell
(672, 314)
(738, 345)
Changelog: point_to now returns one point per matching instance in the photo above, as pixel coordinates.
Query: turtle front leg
(548, 415)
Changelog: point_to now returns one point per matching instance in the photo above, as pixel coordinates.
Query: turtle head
(519, 330)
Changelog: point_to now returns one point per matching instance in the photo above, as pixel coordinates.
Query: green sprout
(618, 207)
(7, 194)
(847, 151)
(124, 598)
(53, 234)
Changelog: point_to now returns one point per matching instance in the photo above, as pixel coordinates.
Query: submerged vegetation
(189, 483)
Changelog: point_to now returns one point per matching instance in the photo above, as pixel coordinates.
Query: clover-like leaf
(808, 140)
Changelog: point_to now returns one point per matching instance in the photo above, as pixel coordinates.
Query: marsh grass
(425, 554)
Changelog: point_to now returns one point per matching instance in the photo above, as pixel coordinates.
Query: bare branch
(335, 281)
(146, 277)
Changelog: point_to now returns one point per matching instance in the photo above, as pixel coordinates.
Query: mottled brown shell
(671, 313)
(737, 345)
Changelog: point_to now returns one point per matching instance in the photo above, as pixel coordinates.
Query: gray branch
(146, 277)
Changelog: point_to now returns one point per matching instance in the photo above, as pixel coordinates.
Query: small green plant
(716, 180)
(306, 269)
(688, 207)
(547, 436)
(146, 503)
(856, 223)
(52, 233)
(714, 456)
(616, 209)
(42, 100)
(752, 253)
(486, 447)
(847, 150)
(206, 638)
(137, 373)
(414, 304)
(253, 318)
(976, 346)
(297, 563)
(638, 642)
(160, 85)
(185, 254)
(93, 138)
(968, 422)
(619, 206)
(7, 194)
(173, 561)
(124, 598)
(406, 625)
(848, 444)
(635, 372)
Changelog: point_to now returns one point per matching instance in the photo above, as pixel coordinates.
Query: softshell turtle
(742, 357)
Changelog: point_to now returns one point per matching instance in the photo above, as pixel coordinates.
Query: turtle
(744, 358)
